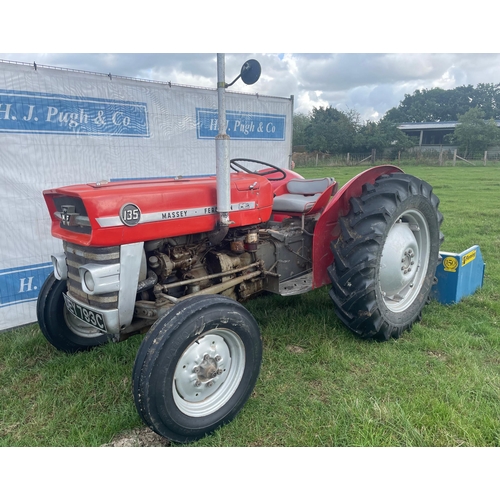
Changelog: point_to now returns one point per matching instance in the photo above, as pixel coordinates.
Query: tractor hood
(115, 213)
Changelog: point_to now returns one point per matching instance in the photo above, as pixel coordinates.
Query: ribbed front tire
(64, 331)
(196, 367)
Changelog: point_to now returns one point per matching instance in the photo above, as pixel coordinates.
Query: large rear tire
(386, 256)
(64, 331)
(196, 367)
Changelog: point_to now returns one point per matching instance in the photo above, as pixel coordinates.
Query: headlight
(60, 267)
(97, 279)
(88, 280)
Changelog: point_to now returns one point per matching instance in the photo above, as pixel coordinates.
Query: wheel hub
(407, 260)
(208, 369)
(202, 368)
(208, 372)
(403, 264)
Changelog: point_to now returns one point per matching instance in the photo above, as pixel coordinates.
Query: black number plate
(90, 317)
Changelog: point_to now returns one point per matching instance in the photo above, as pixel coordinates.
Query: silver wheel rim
(79, 327)
(208, 373)
(404, 261)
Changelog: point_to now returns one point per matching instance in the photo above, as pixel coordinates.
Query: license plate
(87, 315)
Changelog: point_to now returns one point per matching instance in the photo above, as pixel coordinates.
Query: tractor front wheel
(196, 367)
(386, 256)
(63, 330)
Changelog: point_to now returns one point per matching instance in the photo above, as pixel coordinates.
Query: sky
(361, 57)
(368, 83)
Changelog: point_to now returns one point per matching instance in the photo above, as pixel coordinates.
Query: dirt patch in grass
(135, 438)
(437, 355)
(294, 349)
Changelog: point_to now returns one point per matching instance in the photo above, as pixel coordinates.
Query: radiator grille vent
(76, 256)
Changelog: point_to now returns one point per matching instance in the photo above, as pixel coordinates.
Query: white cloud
(369, 83)
(306, 101)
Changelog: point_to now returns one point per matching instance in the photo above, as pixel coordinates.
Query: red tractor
(175, 257)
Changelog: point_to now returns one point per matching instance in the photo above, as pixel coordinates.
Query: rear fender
(327, 229)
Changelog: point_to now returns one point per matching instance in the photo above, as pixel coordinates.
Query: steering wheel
(274, 169)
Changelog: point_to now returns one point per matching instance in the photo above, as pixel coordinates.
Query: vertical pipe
(291, 142)
(222, 147)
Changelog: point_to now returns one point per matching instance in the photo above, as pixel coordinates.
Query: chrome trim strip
(174, 214)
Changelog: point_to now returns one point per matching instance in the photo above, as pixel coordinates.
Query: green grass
(439, 385)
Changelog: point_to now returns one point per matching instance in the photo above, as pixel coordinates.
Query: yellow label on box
(450, 264)
(468, 257)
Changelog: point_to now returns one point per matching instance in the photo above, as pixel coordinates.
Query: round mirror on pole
(250, 71)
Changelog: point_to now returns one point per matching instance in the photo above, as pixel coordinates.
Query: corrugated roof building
(431, 134)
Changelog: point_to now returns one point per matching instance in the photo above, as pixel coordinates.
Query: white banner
(60, 127)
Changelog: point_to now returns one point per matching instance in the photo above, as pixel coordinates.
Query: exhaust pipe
(222, 150)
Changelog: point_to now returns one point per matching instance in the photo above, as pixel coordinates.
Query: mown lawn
(439, 385)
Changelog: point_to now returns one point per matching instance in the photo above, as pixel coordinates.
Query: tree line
(328, 130)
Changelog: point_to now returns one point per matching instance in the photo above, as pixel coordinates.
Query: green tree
(474, 134)
(331, 130)
(422, 106)
(436, 104)
(381, 136)
(300, 122)
(487, 97)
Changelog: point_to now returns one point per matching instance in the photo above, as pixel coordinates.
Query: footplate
(296, 286)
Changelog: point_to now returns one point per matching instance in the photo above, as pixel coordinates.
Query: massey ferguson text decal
(166, 216)
(241, 125)
(40, 113)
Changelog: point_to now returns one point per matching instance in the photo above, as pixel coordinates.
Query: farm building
(431, 135)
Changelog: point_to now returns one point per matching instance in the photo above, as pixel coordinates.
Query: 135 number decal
(130, 214)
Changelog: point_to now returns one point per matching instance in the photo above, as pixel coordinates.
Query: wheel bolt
(210, 383)
(197, 383)
(217, 358)
(196, 369)
(206, 357)
(219, 371)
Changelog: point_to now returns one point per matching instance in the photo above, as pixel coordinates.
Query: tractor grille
(79, 207)
(76, 256)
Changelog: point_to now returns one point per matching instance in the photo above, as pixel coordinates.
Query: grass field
(439, 385)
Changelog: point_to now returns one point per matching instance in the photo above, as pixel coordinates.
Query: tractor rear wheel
(196, 367)
(386, 256)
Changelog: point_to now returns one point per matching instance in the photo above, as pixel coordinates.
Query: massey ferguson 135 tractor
(175, 257)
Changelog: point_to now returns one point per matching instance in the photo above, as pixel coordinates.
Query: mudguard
(326, 229)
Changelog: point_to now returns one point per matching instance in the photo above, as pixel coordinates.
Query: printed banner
(38, 113)
(22, 284)
(240, 125)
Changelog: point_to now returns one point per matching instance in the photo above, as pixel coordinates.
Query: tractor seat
(302, 195)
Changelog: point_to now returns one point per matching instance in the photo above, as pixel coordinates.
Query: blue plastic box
(459, 275)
